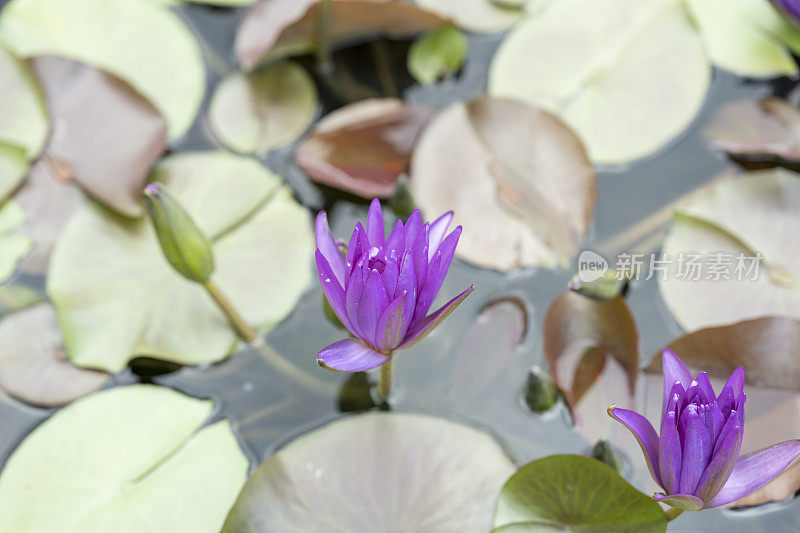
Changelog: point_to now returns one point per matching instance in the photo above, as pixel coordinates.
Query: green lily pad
(376, 472)
(13, 245)
(436, 54)
(23, 117)
(628, 76)
(118, 298)
(265, 109)
(128, 459)
(476, 15)
(747, 37)
(33, 365)
(574, 493)
(166, 67)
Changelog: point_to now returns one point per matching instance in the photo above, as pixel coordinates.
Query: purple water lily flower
(383, 288)
(790, 7)
(696, 457)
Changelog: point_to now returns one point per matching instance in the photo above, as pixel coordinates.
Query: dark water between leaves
(269, 405)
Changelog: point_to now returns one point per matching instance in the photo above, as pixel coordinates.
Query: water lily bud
(695, 457)
(382, 290)
(185, 246)
(541, 393)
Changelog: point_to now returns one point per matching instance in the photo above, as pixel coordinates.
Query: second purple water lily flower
(696, 458)
(384, 287)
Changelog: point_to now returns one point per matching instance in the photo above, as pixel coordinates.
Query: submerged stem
(385, 381)
(243, 329)
(673, 513)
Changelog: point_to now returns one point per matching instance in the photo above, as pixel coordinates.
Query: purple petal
(390, 273)
(407, 283)
(645, 435)
(736, 382)
(705, 385)
(754, 470)
(717, 422)
(334, 293)
(413, 225)
(670, 454)
(420, 253)
(391, 325)
(371, 305)
(696, 446)
(330, 250)
(351, 296)
(687, 502)
(731, 426)
(375, 232)
(674, 370)
(395, 244)
(437, 232)
(356, 248)
(433, 320)
(350, 355)
(427, 294)
(721, 465)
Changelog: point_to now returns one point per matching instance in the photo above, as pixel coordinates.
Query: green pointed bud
(185, 246)
(541, 394)
(604, 452)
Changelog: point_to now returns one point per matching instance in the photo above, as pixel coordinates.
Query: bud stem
(385, 380)
(673, 513)
(243, 329)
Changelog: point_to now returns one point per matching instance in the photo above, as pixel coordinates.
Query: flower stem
(243, 329)
(385, 381)
(673, 513)
(323, 55)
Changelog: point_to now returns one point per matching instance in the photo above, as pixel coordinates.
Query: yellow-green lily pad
(118, 298)
(13, 244)
(128, 460)
(144, 43)
(266, 109)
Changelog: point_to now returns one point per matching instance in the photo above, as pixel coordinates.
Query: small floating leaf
(166, 67)
(265, 109)
(714, 275)
(518, 180)
(541, 393)
(604, 452)
(475, 15)
(574, 493)
(627, 76)
(118, 298)
(437, 54)
(33, 364)
(320, 482)
(363, 148)
(123, 460)
(23, 117)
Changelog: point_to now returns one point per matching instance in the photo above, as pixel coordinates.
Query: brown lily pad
(518, 179)
(33, 364)
(766, 128)
(363, 148)
(273, 29)
(105, 135)
(592, 350)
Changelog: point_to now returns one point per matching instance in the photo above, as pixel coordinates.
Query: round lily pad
(33, 365)
(265, 109)
(128, 459)
(13, 166)
(574, 493)
(628, 76)
(713, 279)
(144, 43)
(118, 298)
(376, 472)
